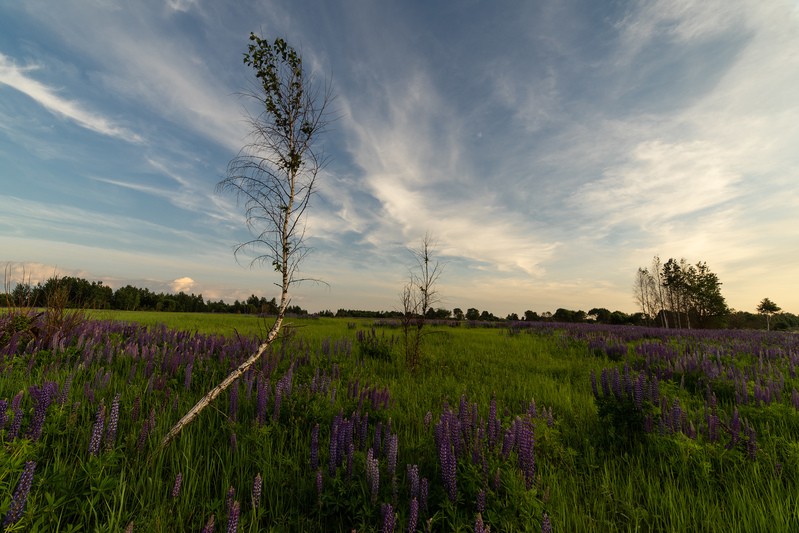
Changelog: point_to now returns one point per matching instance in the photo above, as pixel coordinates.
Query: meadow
(523, 427)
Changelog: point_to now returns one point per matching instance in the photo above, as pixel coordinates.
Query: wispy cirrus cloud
(18, 78)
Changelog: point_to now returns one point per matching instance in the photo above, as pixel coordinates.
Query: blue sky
(551, 148)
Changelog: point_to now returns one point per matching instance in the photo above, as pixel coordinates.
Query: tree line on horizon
(79, 293)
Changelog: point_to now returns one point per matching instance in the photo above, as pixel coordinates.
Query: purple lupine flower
(16, 424)
(20, 497)
(389, 519)
(230, 498)
(209, 526)
(479, 527)
(97, 431)
(315, 447)
(262, 395)
(508, 443)
(449, 473)
(129, 528)
(493, 423)
(392, 454)
(546, 525)
(233, 518)
(428, 418)
(113, 421)
(497, 481)
(372, 474)
(187, 376)
(176, 486)
(3, 409)
(319, 485)
(795, 399)
(234, 443)
(751, 442)
(42, 397)
(413, 480)
(525, 442)
(257, 485)
(413, 515)
(735, 428)
(134, 412)
(143, 434)
(333, 450)
(481, 501)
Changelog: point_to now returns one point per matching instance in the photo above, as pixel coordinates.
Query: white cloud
(16, 77)
(183, 284)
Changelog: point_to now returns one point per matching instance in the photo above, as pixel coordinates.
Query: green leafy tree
(768, 308)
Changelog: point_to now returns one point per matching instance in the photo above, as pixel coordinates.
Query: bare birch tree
(273, 178)
(418, 296)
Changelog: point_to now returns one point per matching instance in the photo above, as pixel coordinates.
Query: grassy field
(552, 427)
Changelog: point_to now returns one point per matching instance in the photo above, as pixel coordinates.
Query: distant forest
(72, 292)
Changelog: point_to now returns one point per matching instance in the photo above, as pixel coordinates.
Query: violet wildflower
(389, 519)
(176, 486)
(372, 474)
(16, 424)
(113, 420)
(3, 409)
(392, 454)
(319, 484)
(209, 526)
(413, 515)
(333, 450)
(315, 447)
(134, 412)
(143, 434)
(20, 497)
(257, 485)
(97, 431)
(479, 527)
(751, 442)
(546, 525)
(262, 395)
(735, 428)
(233, 518)
(187, 376)
(230, 499)
(481, 501)
(413, 480)
(42, 397)
(525, 443)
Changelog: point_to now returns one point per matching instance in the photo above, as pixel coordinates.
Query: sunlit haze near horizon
(550, 148)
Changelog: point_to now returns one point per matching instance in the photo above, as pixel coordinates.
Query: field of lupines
(532, 427)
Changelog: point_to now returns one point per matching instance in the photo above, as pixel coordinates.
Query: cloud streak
(17, 78)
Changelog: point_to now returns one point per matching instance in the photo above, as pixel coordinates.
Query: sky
(551, 148)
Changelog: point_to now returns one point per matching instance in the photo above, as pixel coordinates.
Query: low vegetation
(538, 426)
